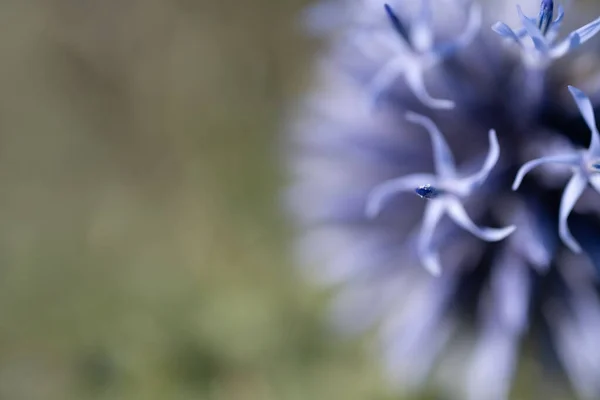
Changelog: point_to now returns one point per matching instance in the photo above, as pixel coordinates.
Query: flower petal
(421, 34)
(506, 32)
(442, 156)
(572, 192)
(576, 38)
(446, 49)
(475, 180)
(386, 76)
(587, 112)
(473, 25)
(539, 41)
(434, 210)
(587, 31)
(383, 191)
(414, 80)
(457, 212)
(569, 43)
(555, 26)
(568, 159)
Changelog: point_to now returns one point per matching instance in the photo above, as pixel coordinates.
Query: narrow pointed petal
(555, 26)
(587, 31)
(421, 34)
(473, 25)
(386, 77)
(492, 366)
(595, 182)
(382, 192)
(506, 32)
(576, 38)
(587, 112)
(572, 192)
(477, 179)
(442, 156)
(569, 43)
(429, 257)
(414, 80)
(447, 48)
(538, 39)
(457, 212)
(568, 159)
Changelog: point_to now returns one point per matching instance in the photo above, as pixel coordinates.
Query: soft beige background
(141, 252)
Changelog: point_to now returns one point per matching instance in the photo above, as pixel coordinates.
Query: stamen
(427, 192)
(398, 25)
(545, 16)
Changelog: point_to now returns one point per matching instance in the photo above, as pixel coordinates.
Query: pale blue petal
(572, 192)
(587, 112)
(536, 36)
(568, 159)
(473, 25)
(421, 34)
(477, 179)
(492, 365)
(595, 182)
(382, 192)
(434, 210)
(505, 31)
(587, 31)
(576, 38)
(414, 80)
(571, 42)
(555, 26)
(457, 212)
(442, 156)
(386, 76)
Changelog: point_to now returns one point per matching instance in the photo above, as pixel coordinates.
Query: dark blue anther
(398, 25)
(427, 192)
(596, 166)
(545, 16)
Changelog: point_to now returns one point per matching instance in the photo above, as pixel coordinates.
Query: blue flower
(374, 204)
(445, 191)
(416, 52)
(543, 32)
(585, 169)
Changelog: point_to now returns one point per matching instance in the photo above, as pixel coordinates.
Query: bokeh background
(142, 251)
(142, 254)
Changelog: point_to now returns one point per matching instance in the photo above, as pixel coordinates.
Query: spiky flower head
(439, 224)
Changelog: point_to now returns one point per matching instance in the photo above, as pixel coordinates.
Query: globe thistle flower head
(584, 164)
(416, 52)
(407, 210)
(543, 32)
(444, 190)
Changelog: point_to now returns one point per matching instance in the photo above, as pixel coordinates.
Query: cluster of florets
(446, 190)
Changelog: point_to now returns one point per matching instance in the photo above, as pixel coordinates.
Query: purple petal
(572, 192)
(457, 212)
(414, 80)
(587, 112)
(538, 39)
(568, 159)
(434, 210)
(477, 179)
(442, 156)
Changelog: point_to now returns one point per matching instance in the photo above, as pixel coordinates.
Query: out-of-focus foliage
(141, 252)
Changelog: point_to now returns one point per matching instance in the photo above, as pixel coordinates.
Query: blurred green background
(142, 255)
